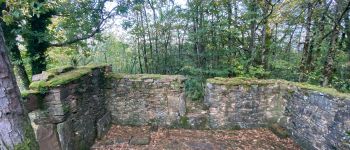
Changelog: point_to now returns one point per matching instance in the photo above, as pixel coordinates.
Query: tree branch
(98, 29)
(337, 22)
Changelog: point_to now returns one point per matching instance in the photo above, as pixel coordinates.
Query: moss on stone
(253, 81)
(59, 70)
(61, 79)
(145, 76)
(116, 75)
(26, 93)
(240, 81)
(235, 127)
(176, 85)
(37, 84)
(67, 77)
(136, 76)
(142, 76)
(184, 122)
(325, 90)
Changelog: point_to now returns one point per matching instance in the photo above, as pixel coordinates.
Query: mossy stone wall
(316, 118)
(146, 99)
(71, 112)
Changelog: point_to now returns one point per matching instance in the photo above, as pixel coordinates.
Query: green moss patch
(240, 81)
(63, 78)
(142, 76)
(67, 77)
(26, 93)
(325, 90)
(56, 71)
(253, 81)
(184, 122)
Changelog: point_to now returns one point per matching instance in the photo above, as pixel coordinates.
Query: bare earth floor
(125, 137)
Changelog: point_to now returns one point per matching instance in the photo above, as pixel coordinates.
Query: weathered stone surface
(76, 108)
(77, 112)
(315, 120)
(31, 102)
(146, 99)
(198, 120)
(47, 137)
(103, 125)
(244, 106)
(65, 134)
(44, 76)
(140, 140)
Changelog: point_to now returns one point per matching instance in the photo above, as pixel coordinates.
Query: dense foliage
(304, 40)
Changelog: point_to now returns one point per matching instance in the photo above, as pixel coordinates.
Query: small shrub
(257, 72)
(184, 122)
(194, 88)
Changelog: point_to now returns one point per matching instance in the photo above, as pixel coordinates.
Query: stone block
(140, 140)
(103, 125)
(44, 76)
(65, 134)
(47, 137)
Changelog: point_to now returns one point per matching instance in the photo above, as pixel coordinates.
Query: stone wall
(244, 106)
(71, 109)
(146, 99)
(316, 120)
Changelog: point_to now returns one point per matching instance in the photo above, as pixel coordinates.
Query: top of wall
(59, 76)
(253, 81)
(142, 77)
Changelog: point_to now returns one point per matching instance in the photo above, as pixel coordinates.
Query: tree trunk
(15, 129)
(15, 54)
(156, 35)
(347, 41)
(230, 22)
(149, 40)
(139, 54)
(145, 58)
(303, 68)
(266, 33)
(19, 66)
(252, 9)
(289, 45)
(328, 66)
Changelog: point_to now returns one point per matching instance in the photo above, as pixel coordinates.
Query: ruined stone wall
(70, 108)
(316, 120)
(244, 106)
(146, 99)
(72, 115)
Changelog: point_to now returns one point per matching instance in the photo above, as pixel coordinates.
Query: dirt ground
(140, 138)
